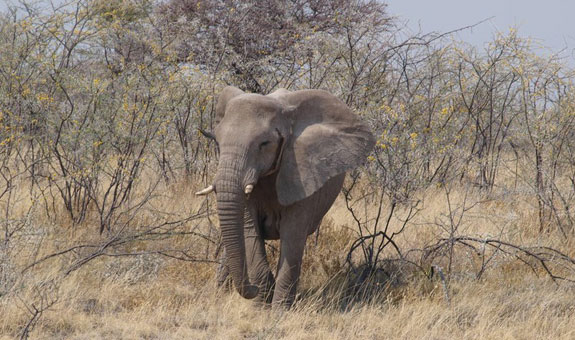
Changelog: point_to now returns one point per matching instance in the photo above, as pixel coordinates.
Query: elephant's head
(304, 138)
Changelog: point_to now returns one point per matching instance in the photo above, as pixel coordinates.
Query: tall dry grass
(153, 296)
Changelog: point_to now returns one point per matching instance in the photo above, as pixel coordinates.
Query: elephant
(282, 163)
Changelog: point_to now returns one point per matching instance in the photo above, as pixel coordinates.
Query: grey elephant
(283, 158)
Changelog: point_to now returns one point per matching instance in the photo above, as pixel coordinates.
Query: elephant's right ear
(225, 96)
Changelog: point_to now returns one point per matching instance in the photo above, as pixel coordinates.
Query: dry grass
(155, 297)
(167, 307)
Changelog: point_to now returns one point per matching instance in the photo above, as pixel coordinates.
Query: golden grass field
(104, 106)
(155, 297)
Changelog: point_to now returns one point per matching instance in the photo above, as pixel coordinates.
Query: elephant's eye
(264, 143)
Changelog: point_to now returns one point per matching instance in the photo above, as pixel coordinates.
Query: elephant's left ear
(327, 140)
(225, 96)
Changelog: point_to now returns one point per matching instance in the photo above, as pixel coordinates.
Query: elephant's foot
(283, 304)
(267, 288)
(284, 295)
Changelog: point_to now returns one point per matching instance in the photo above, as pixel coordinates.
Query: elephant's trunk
(231, 205)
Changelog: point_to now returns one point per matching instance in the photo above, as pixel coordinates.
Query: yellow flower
(44, 97)
(413, 135)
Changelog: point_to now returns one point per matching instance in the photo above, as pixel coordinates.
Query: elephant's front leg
(289, 267)
(258, 267)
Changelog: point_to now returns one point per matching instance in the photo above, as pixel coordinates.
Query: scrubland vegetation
(460, 224)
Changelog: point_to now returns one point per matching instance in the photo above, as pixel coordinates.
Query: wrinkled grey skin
(294, 148)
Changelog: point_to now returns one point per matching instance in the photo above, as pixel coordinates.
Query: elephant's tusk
(249, 189)
(205, 191)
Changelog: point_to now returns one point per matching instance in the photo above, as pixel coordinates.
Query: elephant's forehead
(253, 105)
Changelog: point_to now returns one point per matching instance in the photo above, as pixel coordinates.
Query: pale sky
(550, 22)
